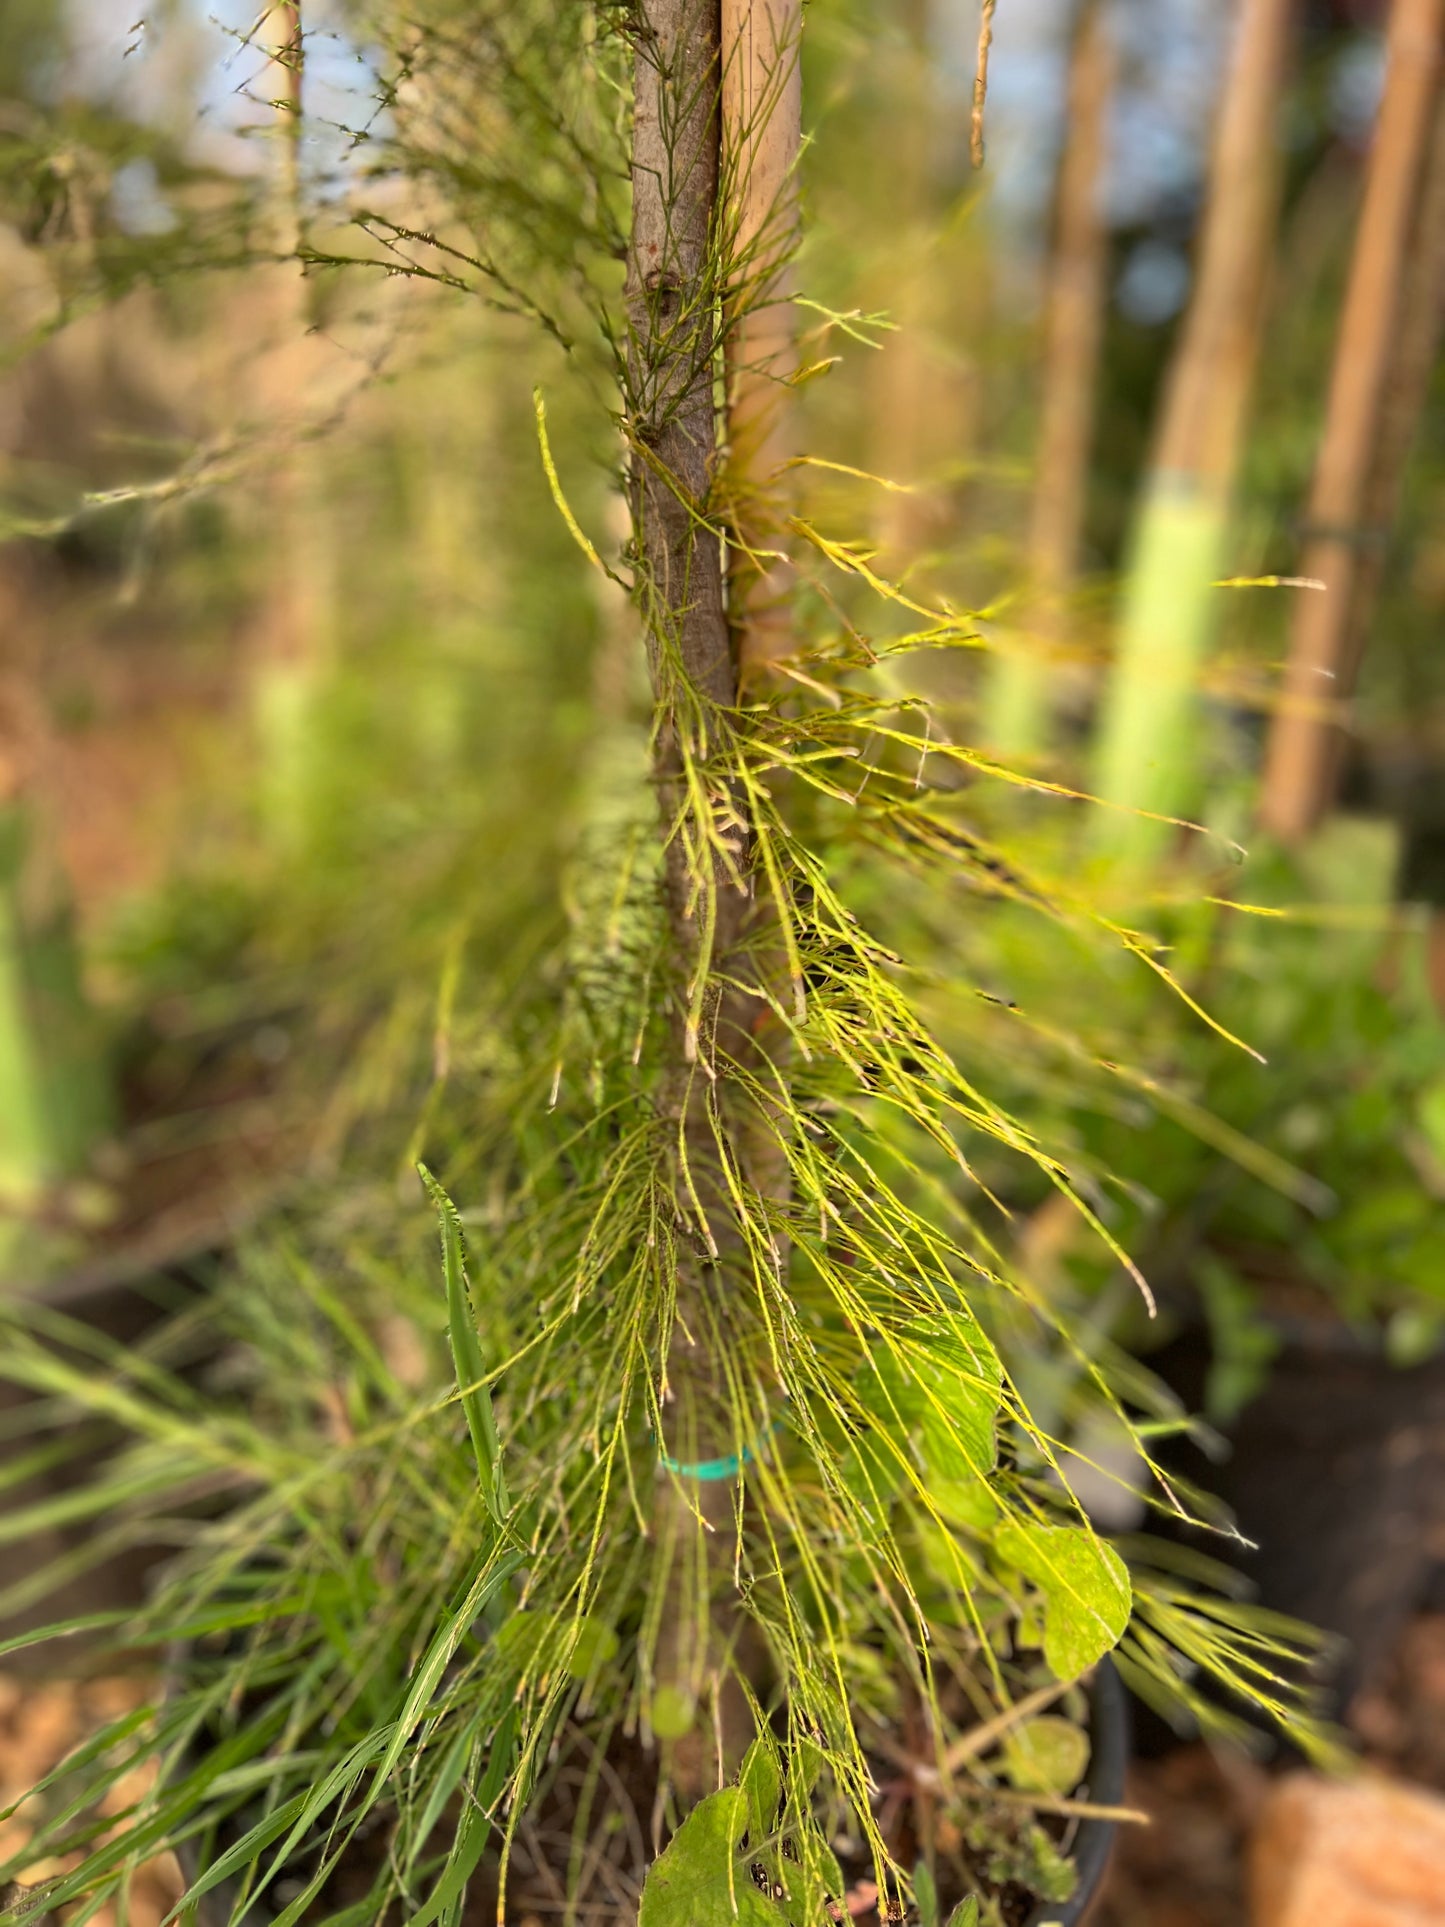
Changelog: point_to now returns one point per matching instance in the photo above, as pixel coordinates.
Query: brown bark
(1351, 483)
(1201, 428)
(670, 293)
(762, 109)
(672, 286)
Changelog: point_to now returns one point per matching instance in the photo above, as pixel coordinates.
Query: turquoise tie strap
(707, 1471)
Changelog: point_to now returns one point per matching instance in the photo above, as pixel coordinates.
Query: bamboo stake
(1144, 756)
(762, 137)
(980, 81)
(1201, 431)
(300, 621)
(762, 133)
(1018, 696)
(918, 412)
(288, 62)
(1422, 320)
(1300, 753)
(1421, 324)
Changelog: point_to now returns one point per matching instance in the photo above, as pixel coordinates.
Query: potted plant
(728, 1574)
(1287, 1212)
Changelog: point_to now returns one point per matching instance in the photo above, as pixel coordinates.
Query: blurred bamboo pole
(761, 141)
(913, 411)
(288, 63)
(299, 618)
(1300, 756)
(1017, 701)
(1422, 319)
(762, 134)
(28, 1140)
(1144, 754)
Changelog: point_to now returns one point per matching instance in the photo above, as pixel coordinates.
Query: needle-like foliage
(720, 1397)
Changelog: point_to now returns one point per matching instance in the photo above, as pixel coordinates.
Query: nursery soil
(1186, 1868)
(40, 1721)
(207, 1135)
(1399, 1719)
(625, 1835)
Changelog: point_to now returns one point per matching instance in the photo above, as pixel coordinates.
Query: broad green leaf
(963, 1382)
(467, 1361)
(520, 1638)
(672, 1712)
(762, 1786)
(945, 1557)
(965, 1914)
(700, 1880)
(1046, 1755)
(926, 1894)
(873, 1474)
(1085, 1586)
(968, 1502)
(593, 1645)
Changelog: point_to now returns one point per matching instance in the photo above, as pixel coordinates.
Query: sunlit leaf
(1085, 1586)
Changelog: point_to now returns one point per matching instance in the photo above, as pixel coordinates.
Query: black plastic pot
(1094, 1842)
(1336, 1479)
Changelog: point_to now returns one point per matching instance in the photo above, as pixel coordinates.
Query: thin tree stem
(672, 292)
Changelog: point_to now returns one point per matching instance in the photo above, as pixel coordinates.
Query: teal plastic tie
(707, 1471)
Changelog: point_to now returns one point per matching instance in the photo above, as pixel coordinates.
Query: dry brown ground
(40, 1722)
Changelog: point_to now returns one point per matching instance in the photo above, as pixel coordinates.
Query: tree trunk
(1300, 758)
(1143, 757)
(1019, 693)
(673, 283)
(671, 286)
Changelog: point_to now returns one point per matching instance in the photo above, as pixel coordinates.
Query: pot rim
(1094, 1842)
